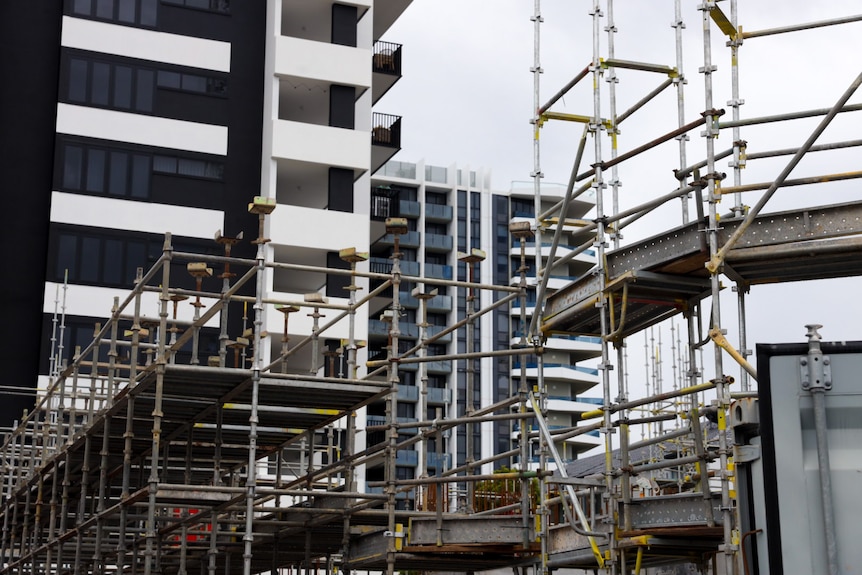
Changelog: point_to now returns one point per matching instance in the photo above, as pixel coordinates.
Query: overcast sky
(467, 97)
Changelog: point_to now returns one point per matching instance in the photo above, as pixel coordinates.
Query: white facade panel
(321, 145)
(137, 216)
(321, 61)
(94, 301)
(321, 229)
(145, 44)
(139, 129)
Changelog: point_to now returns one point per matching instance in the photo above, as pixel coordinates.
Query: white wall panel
(140, 129)
(321, 229)
(136, 216)
(145, 44)
(321, 61)
(321, 144)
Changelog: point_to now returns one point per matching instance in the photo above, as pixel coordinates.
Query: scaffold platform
(665, 274)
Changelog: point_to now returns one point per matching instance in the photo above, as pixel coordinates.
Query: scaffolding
(681, 270)
(144, 457)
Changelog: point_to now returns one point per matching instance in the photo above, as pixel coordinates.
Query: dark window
(111, 85)
(222, 6)
(123, 87)
(148, 12)
(112, 258)
(67, 255)
(193, 83)
(82, 7)
(90, 256)
(165, 164)
(140, 176)
(100, 79)
(113, 262)
(96, 171)
(145, 90)
(119, 174)
(188, 167)
(73, 167)
(78, 80)
(136, 256)
(105, 9)
(169, 79)
(141, 12)
(126, 12)
(435, 198)
(124, 173)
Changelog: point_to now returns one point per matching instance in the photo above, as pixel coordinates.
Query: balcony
(438, 271)
(435, 329)
(438, 243)
(386, 66)
(433, 461)
(438, 213)
(408, 393)
(384, 266)
(440, 304)
(439, 396)
(384, 203)
(394, 169)
(580, 378)
(408, 240)
(439, 367)
(407, 458)
(409, 209)
(385, 138)
(436, 174)
(381, 328)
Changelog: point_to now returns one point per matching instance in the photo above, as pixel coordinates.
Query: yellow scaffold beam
(642, 66)
(723, 23)
(570, 118)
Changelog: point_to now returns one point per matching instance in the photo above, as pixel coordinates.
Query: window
(124, 173)
(110, 85)
(435, 198)
(194, 83)
(127, 87)
(116, 173)
(112, 258)
(188, 167)
(222, 6)
(439, 229)
(135, 12)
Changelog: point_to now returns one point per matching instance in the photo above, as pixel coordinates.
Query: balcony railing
(397, 169)
(408, 240)
(438, 271)
(386, 130)
(438, 395)
(387, 58)
(434, 461)
(384, 266)
(384, 203)
(409, 209)
(440, 303)
(438, 213)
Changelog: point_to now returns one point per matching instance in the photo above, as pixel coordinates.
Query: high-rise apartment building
(450, 212)
(567, 372)
(126, 119)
